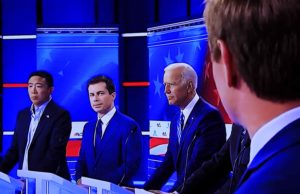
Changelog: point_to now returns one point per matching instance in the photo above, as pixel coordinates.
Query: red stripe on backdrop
(15, 85)
(73, 148)
(155, 141)
(135, 84)
(210, 93)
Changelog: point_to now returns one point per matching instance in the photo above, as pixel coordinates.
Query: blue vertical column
(134, 16)
(18, 57)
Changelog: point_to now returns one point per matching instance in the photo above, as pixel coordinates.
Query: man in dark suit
(111, 148)
(255, 49)
(196, 133)
(233, 157)
(41, 132)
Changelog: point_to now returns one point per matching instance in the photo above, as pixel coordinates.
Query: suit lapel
(184, 140)
(288, 136)
(46, 116)
(109, 132)
(189, 130)
(25, 128)
(90, 141)
(195, 114)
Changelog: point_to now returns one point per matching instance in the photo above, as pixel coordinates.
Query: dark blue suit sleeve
(211, 175)
(210, 137)
(58, 142)
(81, 166)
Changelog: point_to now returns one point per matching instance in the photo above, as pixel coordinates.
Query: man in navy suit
(202, 130)
(255, 49)
(111, 148)
(41, 133)
(214, 175)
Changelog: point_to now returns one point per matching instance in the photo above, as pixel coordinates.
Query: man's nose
(167, 89)
(95, 98)
(33, 89)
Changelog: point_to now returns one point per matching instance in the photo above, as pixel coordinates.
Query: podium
(48, 183)
(103, 187)
(141, 191)
(10, 185)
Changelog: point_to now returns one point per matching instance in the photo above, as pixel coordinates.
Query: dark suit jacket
(121, 145)
(276, 167)
(47, 151)
(212, 174)
(203, 135)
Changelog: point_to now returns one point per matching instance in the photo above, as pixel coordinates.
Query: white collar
(188, 109)
(107, 117)
(270, 129)
(37, 110)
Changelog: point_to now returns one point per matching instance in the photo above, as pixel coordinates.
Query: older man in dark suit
(197, 131)
(41, 133)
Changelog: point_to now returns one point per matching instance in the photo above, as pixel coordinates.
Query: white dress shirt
(270, 129)
(188, 109)
(36, 113)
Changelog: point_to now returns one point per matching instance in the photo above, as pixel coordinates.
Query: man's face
(100, 99)
(175, 88)
(38, 90)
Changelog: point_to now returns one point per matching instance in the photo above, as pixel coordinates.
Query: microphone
(125, 154)
(197, 134)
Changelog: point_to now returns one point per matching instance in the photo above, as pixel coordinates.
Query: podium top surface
(104, 186)
(47, 176)
(4, 177)
(12, 182)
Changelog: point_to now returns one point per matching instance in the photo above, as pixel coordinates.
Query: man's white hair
(188, 72)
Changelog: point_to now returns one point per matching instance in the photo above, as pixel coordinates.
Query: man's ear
(190, 86)
(51, 89)
(226, 59)
(114, 95)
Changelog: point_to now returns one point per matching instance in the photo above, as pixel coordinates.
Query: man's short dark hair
(263, 38)
(44, 74)
(110, 86)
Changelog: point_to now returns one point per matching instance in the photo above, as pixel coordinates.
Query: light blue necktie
(180, 126)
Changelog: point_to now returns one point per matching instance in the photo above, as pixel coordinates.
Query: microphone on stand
(197, 134)
(125, 155)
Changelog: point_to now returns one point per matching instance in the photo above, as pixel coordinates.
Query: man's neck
(257, 112)
(187, 101)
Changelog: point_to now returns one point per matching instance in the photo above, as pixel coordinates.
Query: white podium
(48, 183)
(10, 185)
(141, 191)
(103, 187)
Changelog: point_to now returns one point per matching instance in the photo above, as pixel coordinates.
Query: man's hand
(78, 182)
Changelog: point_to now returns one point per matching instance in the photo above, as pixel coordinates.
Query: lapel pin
(48, 116)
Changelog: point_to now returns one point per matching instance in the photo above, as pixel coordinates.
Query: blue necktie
(180, 126)
(98, 134)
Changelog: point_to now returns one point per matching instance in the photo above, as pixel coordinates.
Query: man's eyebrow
(37, 83)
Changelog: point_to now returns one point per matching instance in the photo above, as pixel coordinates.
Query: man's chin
(97, 110)
(171, 102)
